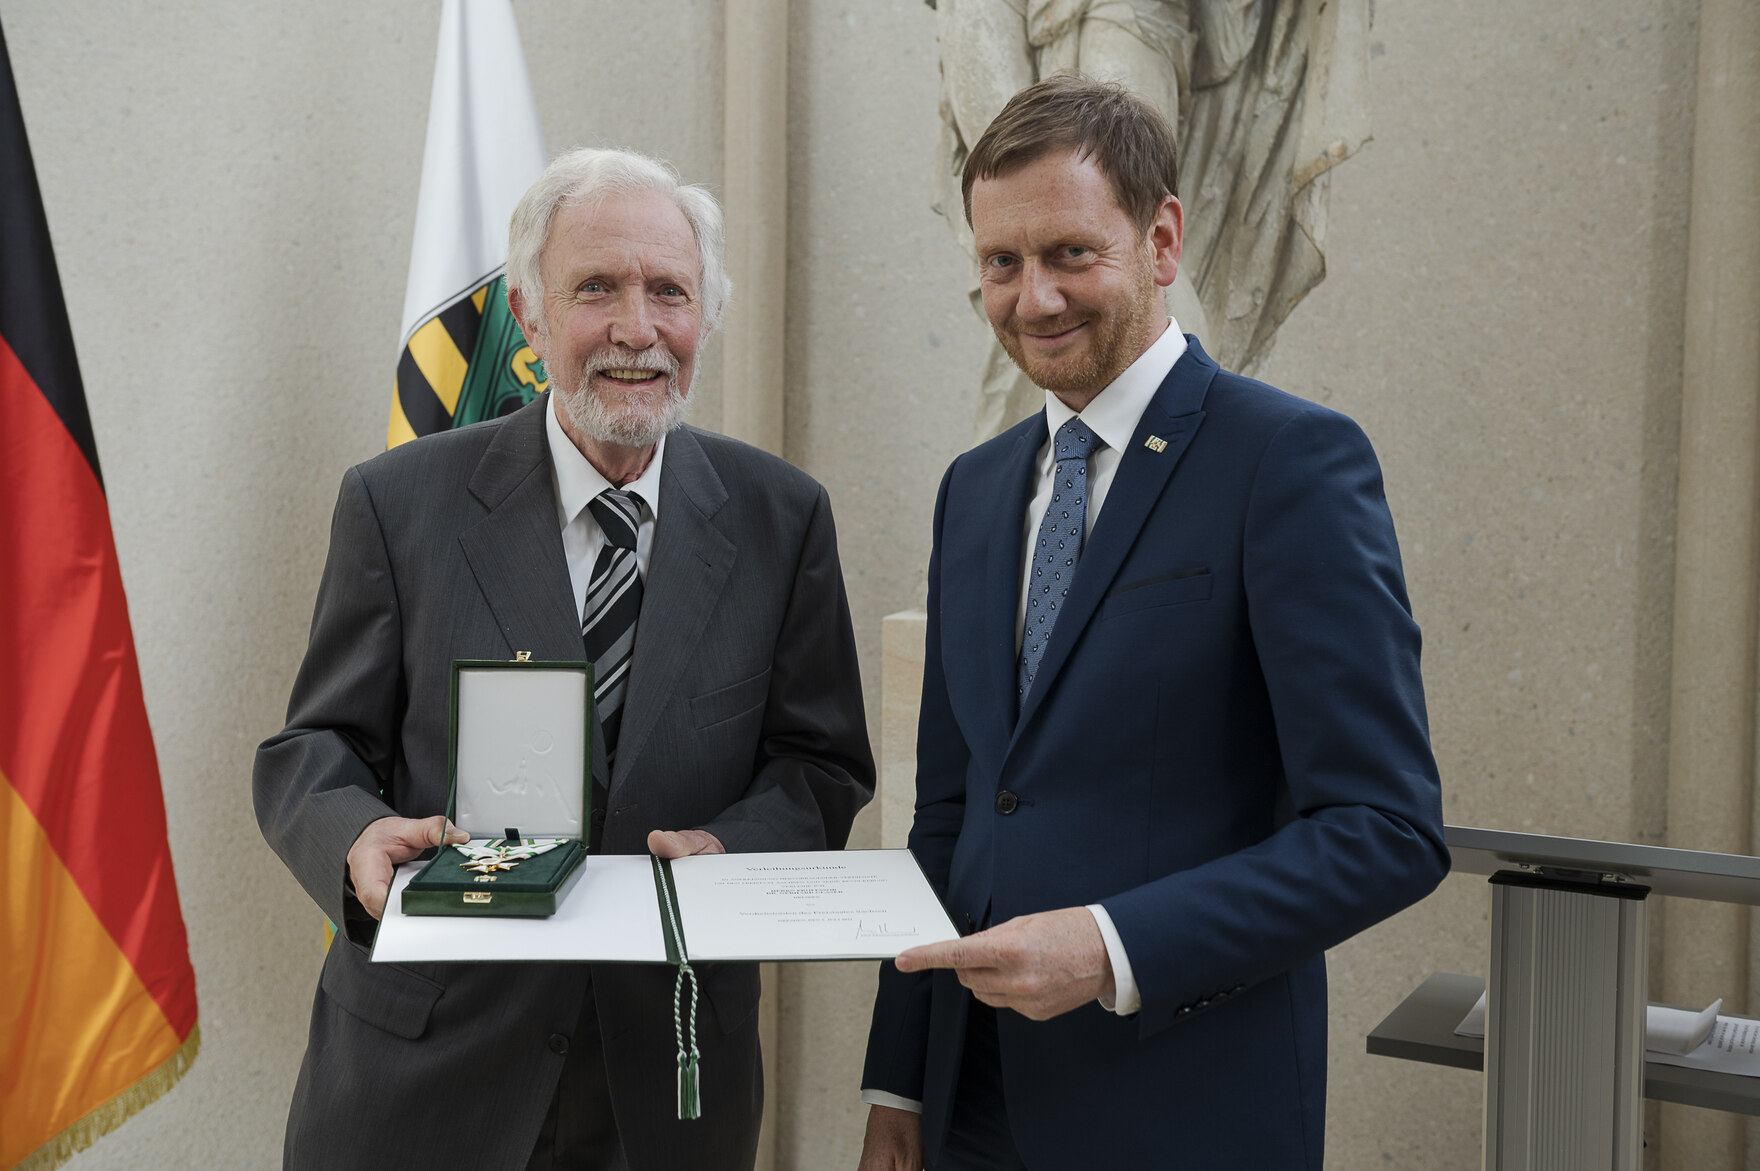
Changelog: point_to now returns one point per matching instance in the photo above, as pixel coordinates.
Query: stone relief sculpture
(1267, 96)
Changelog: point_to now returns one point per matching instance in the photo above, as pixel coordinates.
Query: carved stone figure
(1267, 96)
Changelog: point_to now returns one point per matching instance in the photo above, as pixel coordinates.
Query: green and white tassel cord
(690, 1092)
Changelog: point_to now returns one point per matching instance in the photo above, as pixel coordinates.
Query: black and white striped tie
(614, 600)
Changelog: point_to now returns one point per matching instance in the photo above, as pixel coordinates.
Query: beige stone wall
(231, 189)
(1503, 314)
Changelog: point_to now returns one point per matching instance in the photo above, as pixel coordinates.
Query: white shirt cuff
(882, 1098)
(1125, 999)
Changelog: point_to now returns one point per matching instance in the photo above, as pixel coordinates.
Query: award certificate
(817, 905)
(831, 905)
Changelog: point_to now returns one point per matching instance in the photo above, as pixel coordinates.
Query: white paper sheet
(1677, 1036)
(1678, 1030)
(1733, 1047)
(842, 904)
(611, 915)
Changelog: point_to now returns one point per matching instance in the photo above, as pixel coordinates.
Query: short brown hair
(1103, 121)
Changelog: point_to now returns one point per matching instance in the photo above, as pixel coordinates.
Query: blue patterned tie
(1059, 546)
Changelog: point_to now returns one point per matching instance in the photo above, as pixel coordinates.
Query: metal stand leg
(1564, 1034)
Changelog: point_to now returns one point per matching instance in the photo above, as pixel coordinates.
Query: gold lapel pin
(1155, 444)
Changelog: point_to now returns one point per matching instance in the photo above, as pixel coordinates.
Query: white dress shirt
(578, 482)
(1112, 416)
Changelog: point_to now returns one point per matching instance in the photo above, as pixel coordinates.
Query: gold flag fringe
(107, 1116)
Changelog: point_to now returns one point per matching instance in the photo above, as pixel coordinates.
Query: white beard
(627, 424)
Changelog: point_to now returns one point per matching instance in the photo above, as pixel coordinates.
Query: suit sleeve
(1362, 835)
(898, 1039)
(814, 768)
(317, 782)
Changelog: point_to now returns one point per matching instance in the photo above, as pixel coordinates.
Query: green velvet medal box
(521, 760)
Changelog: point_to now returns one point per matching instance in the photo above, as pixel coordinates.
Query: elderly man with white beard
(701, 578)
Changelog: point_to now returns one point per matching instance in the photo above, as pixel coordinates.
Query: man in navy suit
(1173, 743)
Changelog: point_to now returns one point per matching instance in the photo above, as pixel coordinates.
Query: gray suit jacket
(743, 717)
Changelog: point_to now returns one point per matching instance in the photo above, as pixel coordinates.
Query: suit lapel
(1173, 416)
(515, 552)
(1002, 582)
(688, 568)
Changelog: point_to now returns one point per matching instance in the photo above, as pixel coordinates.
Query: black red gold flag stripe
(36, 326)
(97, 995)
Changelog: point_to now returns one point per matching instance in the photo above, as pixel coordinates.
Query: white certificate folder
(819, 905)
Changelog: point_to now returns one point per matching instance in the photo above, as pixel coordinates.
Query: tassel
(690, 1091)
(690, 1105)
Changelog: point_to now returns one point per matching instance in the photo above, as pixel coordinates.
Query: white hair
(586, 175)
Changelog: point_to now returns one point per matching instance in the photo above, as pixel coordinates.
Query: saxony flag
(463, 357)
(97, 997)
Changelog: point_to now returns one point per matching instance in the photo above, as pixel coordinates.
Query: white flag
(462, 357)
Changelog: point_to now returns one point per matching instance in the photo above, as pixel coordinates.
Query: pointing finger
(951, 954)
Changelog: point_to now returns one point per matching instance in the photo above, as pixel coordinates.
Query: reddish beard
(1117, 340)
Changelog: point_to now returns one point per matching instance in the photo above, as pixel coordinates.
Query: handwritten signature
(865, 930)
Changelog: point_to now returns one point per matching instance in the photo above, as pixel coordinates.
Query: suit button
(558, 1044)
(1007, 802)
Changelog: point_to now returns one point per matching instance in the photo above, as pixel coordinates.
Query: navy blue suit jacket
(1225, 746)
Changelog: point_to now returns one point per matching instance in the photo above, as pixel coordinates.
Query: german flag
(97, 996)
(463, 358)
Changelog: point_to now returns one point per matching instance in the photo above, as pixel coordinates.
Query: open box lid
(522, 748)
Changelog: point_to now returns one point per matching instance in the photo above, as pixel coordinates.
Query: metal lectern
(1568, 984)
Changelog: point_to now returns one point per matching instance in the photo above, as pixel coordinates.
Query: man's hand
(682, 843)
(894, 1141)
(386, 843)
(1039, 965)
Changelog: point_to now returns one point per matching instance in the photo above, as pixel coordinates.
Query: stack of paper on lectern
(825, 905)
(1677, 1036)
